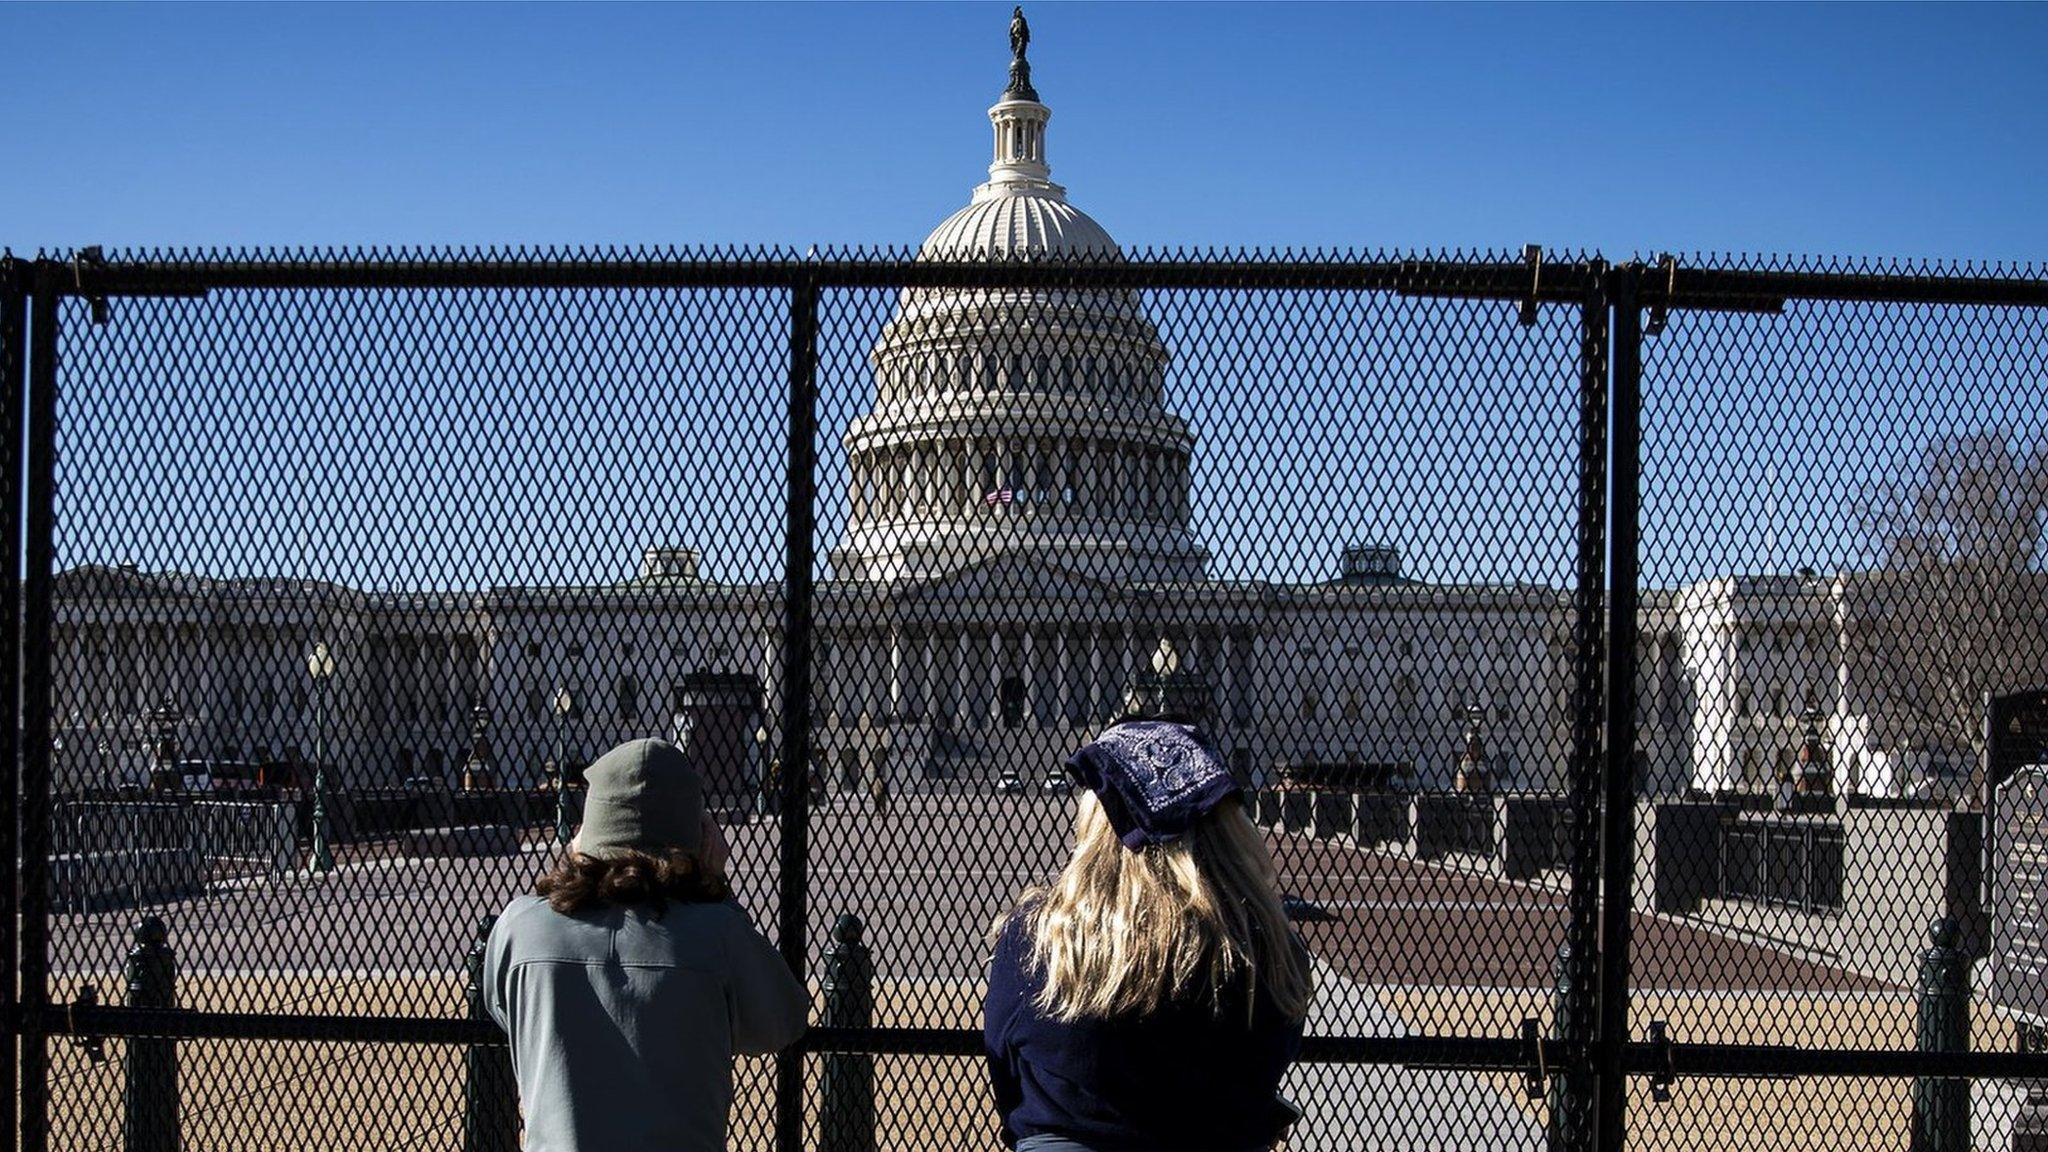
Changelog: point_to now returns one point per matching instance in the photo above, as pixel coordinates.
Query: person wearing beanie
(630, 978)
(1151, 997)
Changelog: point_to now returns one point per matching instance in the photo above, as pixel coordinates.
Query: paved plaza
(1401, 948)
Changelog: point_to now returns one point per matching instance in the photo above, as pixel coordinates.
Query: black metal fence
(1529, 549)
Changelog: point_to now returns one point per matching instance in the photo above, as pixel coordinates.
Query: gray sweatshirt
(624, 1024)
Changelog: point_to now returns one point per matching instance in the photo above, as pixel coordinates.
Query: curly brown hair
(579, 883)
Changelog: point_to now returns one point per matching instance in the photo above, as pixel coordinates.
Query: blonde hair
(1128, 931)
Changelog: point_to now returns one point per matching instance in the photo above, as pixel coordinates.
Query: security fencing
(1502, 581)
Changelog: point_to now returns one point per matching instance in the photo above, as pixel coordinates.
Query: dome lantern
(1019, 167)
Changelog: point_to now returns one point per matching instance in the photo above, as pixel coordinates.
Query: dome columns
(987, 479)
(1019, 166)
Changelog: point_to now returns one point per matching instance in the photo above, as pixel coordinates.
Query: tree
(1958, 608)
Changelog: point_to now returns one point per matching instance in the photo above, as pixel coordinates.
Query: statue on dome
(1020, 68)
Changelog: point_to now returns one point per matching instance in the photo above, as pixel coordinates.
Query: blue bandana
(1153, 777)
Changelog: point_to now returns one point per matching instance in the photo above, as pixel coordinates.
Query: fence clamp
(1535, 1069)
(94, 1047)
(84, 258)
(1660, 1051)
(1532, 255)
(1660, 312)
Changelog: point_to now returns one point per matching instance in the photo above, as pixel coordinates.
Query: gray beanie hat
(644, 796)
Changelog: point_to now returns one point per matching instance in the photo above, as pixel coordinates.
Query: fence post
(149, 1108)
(1568, 1095)
(1941, 1104)
(490, 1096)
(847, 1111)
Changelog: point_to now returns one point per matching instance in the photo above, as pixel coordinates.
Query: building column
(1226, 710)
(1119, 669)
(1028, 673)
(955, 687)
(1063, 710)
(1061, 476)
(1093, 712)
(994, 680)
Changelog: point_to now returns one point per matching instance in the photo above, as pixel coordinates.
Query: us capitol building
(1016, 549)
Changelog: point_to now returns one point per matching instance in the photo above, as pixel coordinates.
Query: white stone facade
(1018, 540)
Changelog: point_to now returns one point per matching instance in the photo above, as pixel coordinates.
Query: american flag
(1000, 496)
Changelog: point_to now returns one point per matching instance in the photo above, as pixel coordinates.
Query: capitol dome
(1018, 224)
(1019, 422)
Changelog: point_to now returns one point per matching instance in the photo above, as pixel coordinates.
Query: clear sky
(1444, 429)
(1894, 130)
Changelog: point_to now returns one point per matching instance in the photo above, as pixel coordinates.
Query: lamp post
(161, 724)
(1474, 774)
(564, 703)
(476, 770)
(320, 665)
(761, 782)
(1814, 770)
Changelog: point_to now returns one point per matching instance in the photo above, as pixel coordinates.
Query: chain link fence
(1609, 652)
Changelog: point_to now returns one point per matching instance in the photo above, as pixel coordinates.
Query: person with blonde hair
(1151, 997)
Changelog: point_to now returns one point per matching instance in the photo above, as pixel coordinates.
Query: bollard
(149, 1120)
(847, 1112)
(1941, 1105)
(490, 1095)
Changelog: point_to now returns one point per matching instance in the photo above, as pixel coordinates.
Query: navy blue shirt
(1186, 1078)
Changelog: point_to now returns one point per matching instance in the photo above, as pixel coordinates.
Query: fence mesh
(351, 582)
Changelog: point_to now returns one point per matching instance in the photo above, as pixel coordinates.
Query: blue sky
(1894, 130)
(1443, 428)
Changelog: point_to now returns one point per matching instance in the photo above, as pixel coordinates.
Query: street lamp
(1814, 769)
(564, 703)
(763, 803)
(1474, 774)
(320, 665)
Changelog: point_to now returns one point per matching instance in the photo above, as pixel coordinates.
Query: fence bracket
(94, 1046)
(1532, 255)
(1660, 312)
(95, 259)
(1535, 1069)
(1660, 1055)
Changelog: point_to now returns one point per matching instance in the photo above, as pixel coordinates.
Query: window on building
(628, 697)
(1310, 705)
